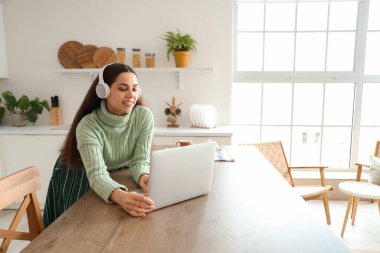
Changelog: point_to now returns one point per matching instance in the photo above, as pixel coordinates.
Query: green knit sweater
(107, 142)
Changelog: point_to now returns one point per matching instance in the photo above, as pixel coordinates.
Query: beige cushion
(374, 171)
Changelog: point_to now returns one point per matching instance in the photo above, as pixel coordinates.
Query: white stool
(357, 190)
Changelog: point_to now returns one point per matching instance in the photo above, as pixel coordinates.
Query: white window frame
(356, 76)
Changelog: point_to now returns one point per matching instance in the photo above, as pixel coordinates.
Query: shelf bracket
(178, 80)
(93, 75)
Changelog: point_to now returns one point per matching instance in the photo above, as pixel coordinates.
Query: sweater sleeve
(140, 162)
(90, 150)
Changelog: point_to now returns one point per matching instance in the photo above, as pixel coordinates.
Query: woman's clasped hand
(133, 203)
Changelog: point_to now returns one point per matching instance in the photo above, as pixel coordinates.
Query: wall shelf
(179, 71)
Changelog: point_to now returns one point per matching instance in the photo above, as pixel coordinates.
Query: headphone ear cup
(102, 90)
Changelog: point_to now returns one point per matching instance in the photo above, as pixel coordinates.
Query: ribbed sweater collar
(111, 119)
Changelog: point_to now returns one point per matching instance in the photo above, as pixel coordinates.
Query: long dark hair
(69, 152)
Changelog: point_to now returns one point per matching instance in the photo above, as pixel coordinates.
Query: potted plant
(2, 112)
(181, 45)
(24, 110)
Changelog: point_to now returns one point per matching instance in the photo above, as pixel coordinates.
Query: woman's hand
(144, 180)
(133, 203)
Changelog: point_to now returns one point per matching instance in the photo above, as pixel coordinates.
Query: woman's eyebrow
(125, 84)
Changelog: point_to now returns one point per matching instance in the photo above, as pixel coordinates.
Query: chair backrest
(21, 184)
(274, 153)
(377, 149)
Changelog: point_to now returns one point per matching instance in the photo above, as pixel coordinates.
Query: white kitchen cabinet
(3, 51)
(21, 151)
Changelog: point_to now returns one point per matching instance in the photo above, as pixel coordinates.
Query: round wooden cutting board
(67, 54)
(85, 56)
(104, 56)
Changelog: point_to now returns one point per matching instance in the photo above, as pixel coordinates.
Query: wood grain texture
(67, 54)
(104, 56)
(85, 56)
(250, 208)
(361, 238)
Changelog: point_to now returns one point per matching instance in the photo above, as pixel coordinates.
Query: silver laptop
(181, 173)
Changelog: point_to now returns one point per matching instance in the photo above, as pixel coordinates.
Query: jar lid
(136, 49)
(120, 48)
(149, 54)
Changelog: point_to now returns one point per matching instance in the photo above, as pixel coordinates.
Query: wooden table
(250, 208)
(357, 190)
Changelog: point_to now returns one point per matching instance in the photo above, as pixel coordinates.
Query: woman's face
(124, 94)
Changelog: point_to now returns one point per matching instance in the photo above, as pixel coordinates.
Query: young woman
(111, 130)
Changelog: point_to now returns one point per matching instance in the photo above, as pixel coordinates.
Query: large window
(308, 73)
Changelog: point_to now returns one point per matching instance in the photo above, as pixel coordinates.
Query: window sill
(330, 175)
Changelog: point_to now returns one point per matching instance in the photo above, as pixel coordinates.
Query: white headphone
(102, 88)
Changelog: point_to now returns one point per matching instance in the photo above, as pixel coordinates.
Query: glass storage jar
(149, 60)
(120, 53)
(136, 60)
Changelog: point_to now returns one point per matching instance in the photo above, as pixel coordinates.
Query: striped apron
(66, 186)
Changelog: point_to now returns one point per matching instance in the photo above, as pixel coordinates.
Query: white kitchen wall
(3, 55)
(34, 31)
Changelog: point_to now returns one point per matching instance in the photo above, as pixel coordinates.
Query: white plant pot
(18, 119)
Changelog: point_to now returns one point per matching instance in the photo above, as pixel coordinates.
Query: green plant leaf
(23, 103)
(36, 106)
(46, 105)
(2, 112)
(10, 101)
(32, 116)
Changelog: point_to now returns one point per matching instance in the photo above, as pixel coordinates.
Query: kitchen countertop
(224, 131)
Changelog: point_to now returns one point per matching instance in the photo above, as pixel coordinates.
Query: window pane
(312, 16)
(310, 51)
(308, 104)
(336, 147)
(277, 103)
(339, 98)
(246, 103)
(370, 104)
(280, 16)
(250, 52)
(278, 52)
(340, 51)
(343, 15)
(374, 17)
(305, 146)
(245, 134)
(372, 56)
(367, 143)
(250, 17)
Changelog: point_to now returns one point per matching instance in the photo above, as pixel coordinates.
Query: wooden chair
(274, 152)
(359, 170)
(22, 184)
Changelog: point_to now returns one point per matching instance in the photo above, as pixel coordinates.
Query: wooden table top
(360, 189)
(250, 208)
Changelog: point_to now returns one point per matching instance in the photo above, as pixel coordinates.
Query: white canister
(204, 116)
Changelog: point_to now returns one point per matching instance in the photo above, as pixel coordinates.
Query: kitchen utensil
(67, 54)
(85, 56)
(103, 56)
